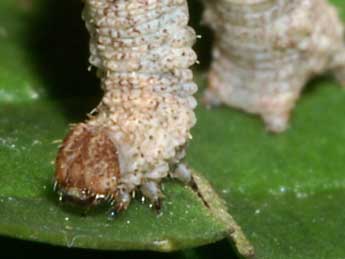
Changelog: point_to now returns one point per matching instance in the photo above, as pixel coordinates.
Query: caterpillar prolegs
(266, 50)
(139, 132)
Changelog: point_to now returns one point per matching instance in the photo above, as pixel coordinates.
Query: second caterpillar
(266, 51)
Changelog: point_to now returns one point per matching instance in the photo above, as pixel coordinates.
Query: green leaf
(30, 210)
(286, 191)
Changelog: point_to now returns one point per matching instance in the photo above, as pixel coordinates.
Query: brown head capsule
(266, 50)
(139, 133)
(87, 167)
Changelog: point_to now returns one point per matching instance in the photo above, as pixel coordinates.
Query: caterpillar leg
(276, 111)
(186, 176)
(121, 200)
(152, 191)
(183, 174)
(276, 123)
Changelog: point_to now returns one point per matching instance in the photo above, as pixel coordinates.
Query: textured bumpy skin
(266, 50)
(138, 134)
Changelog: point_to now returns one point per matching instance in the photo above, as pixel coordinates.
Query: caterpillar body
(140, 130)
(266, 50)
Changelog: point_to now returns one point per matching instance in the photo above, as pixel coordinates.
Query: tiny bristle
(55, 186)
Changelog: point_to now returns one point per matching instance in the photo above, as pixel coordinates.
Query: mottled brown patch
(87, 164)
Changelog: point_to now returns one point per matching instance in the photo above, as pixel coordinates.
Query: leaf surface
(286, 190)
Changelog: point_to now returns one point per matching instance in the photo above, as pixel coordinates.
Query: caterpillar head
(87, 167)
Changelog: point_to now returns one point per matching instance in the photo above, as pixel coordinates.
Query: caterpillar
(266, 51)
(138, 134)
